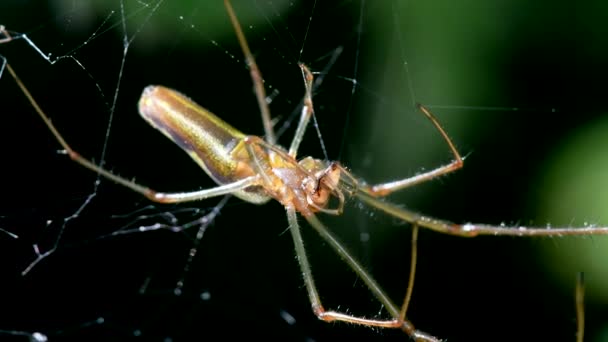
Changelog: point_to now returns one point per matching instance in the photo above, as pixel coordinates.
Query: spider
(257, 169)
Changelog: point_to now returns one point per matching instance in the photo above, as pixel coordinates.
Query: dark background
(519, 86)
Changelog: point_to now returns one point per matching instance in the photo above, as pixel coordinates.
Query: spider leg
(307, 111)
(153, 195)
(260, 92)
(580, 307)
(472, 229)
(413, 263)
(7, 36)
(256, 75)
(397, 322)
(384, 189)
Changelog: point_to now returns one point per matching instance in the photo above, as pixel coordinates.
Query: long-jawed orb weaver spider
(257, 169)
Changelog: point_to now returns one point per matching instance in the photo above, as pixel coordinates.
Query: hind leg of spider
(397, 321)
(153, 195)
(384, 189)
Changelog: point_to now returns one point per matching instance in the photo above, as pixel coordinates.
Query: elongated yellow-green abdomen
(206, 138)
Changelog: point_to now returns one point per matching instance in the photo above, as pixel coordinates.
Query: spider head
(322, 185)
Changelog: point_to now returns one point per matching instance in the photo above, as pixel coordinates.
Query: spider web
(508, 83)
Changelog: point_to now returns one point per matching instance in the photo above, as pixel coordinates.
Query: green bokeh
(574, 182)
